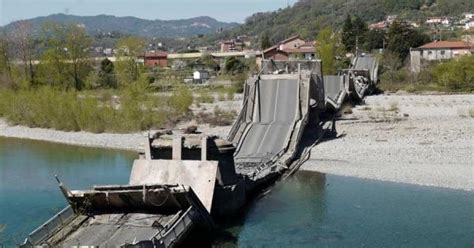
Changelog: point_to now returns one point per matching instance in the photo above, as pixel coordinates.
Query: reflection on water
(307, 210)
(313, 210)
(28, 192)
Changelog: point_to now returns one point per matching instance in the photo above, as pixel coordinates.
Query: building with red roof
(291, 48)
(155, 58)
(439, 50)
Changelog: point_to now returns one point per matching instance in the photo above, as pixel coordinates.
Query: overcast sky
(223, 10)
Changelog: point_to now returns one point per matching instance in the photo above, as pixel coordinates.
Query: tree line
(60, 57)
(355, 37)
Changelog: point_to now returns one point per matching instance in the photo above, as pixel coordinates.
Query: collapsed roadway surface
(183, 181)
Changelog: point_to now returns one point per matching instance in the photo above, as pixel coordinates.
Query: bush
(205, 97)
(181, 99)
(46, 107)
(457, 75)
(217, 118)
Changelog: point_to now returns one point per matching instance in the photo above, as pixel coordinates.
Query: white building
(438, 50)
(469, 24)
(200, 76)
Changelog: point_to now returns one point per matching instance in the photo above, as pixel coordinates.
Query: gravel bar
(415, 139)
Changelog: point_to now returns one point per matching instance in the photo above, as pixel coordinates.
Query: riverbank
(132, 141)
(416, 139)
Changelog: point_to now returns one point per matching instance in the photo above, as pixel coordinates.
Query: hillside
(306, 17)
(135, 26)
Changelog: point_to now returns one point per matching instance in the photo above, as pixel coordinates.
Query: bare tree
(5, 65)
(6, 70)
(24, 44)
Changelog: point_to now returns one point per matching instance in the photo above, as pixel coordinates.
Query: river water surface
(308, 210)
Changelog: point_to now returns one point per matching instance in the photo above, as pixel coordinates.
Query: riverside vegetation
(68, 91)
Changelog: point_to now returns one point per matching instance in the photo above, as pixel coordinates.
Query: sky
(222, 10)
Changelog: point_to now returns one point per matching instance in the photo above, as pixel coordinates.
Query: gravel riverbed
(416, 139)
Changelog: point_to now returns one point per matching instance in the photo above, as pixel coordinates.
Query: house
(438, 21)
(291, 48)
(231, 46)
(200, 76)
(438, 50)
(469, 24)
(379, 25)
(155, 58)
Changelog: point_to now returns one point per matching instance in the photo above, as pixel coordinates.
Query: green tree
(327, 49)
(126, 67)
(77, 43)
(107, 74)
(360, 30)
(265, 41)
(375, 39)
(348, 36)
(402, 37)
(54, 67)
(234, 65)
(208, 61)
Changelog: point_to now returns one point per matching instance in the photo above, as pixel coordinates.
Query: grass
(131, 110)
(205, 96)
(471, 112)
(410, 87)
(218, 117)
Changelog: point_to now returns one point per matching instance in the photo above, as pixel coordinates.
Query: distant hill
(135, 26)
(307, 17)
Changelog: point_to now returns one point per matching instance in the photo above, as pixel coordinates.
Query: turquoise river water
(308, 210)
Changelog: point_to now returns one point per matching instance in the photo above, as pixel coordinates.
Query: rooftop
(447, 44)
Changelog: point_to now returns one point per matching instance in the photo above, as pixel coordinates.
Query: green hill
(134, 26)
(306, 17)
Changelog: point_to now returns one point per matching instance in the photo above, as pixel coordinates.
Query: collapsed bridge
(184, 181)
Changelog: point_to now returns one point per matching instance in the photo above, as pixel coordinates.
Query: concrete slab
(199, 175)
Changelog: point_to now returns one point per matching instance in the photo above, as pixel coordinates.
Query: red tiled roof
(294, 37)
(447, 44)
(301, 50)
(156, 54)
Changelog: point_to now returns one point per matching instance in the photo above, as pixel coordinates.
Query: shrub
(205, 97)
(181, 99)
(46, 107)
(218, 117)
(457, 74)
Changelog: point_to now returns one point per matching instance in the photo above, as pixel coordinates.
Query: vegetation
(308, 17)
(218, 117)
(402, 37)
(136, 110)
(55, 93)
(133, 26)
(449, 76)
(328, 49)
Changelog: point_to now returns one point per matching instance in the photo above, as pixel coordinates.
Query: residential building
(379, 25)
(469, 24)
(438, 50)
(200, 76)
(155, 58)
(291, 48)
(232, 46)
(438, 21)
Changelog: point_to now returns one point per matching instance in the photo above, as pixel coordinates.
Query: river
(308, 210)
